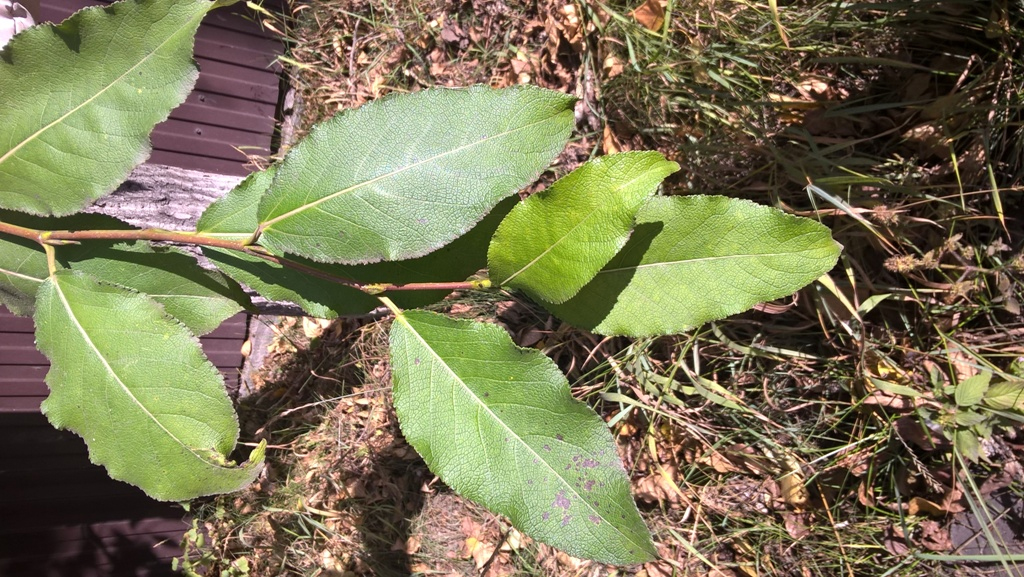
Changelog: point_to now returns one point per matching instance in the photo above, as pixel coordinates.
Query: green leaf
(200, 299)
(80, 99)
(404, 175)
(966, 441)
(22, 271)
(135, 385)
(554, 242)
(497, 423)
(1005, 396)
(23, 266)
(694, 259)
(971, 391)
(234, 217)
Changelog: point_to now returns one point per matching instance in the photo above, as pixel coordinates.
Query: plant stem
(50, 238)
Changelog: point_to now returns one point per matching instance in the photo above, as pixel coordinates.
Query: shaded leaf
(234, 216)
(971, 391)
(497, 423)
(695, 259)
(80, 99)
(23, 266)
(200, 299)
(404, 175)
(136, 386)
(554, 242)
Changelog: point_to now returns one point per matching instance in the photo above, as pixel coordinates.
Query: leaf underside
(80, 99)
(497, 423)
(553, 243)
(200, 299)
(136, 386)
(23, 267)
(695, 259)
(404, 175)
(234, 216)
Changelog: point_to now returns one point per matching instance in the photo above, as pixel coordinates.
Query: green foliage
(482, 411)
(404, 193)
(369, 185)
(976, 407)
(682, 247)
(554, 243)
(80, 100)
(135, 384)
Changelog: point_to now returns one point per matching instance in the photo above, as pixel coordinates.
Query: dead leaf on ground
(934, 536)
(894, 542)
(922, 506)
(609, 142)
(796, 524)
(650, 15)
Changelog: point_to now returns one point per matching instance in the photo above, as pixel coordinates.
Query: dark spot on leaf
(576, 459)
(589, 485)
(566, 519)
(529, 481)
(535, 461)
(594, 519)
(567, 467)
(561, 501)
(416, 361)
(560, 437)
(597, 503)
(545, 516)
(547, 447)
(590, 463)
(623, 516)
(486, 394)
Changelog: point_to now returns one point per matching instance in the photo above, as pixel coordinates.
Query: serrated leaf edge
(399, 317)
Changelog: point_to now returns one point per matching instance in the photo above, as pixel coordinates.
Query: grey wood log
(171, 198)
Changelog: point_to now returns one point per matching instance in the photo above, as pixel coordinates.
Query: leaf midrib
(692, 260)
(114, 375)
(264, 226)
(20, 275)
(401, 318)
(32, 137)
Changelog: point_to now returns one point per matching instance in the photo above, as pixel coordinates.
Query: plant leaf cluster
(410, 191)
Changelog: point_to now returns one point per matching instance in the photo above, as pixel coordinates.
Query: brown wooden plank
(210, 141)
(238, 81)
(219, 110)
(11, 323)
(201, 163)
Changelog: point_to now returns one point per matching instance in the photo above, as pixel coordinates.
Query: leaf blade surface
(498, 425)
(553, 243)
(234, 216)
(136, 386)
(404, 175)
(694, 259)
(81, 98)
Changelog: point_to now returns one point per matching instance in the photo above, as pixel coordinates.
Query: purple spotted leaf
(497, 423)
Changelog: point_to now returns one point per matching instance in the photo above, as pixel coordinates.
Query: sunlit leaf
(80, 99)
(971, 391)
(694, 259)
(406, 174)
(497, 423)
(134, 383)
(554, 242)
(1006, 395)
(234, 217)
